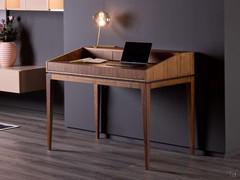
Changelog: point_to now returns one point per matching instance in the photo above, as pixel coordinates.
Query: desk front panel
(98, 70)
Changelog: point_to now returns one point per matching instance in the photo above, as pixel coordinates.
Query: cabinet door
(36, 4)
(2, 4)
(56, 5)
(15, 4)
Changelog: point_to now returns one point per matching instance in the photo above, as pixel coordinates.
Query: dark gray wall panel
(173, 24)
(232, 64)
(82, 104)
(125, 114)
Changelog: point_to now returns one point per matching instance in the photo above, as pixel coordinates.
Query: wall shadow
(122, 23)
(209, 86)
(126, 20)
(27, 56)
(104, 97)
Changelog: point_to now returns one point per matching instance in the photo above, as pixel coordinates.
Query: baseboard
(154, 144)
(165, 146)
(232, 154)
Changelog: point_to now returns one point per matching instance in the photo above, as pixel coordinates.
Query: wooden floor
(77, 155)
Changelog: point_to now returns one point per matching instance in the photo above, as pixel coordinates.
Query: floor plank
(77, 155)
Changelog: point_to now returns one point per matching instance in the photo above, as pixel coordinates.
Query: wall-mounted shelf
(32, 5)
(22, 79)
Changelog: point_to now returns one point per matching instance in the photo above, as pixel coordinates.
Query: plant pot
(8, 54)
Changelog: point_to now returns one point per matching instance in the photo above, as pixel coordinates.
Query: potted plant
(8, 49)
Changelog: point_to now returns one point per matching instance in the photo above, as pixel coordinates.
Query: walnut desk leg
(96, 108)
(49, 89)
(146, 102)
(191, 114)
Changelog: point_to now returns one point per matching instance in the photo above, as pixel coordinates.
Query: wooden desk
(165, 68)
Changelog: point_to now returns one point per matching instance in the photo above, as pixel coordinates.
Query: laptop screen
(136, 52)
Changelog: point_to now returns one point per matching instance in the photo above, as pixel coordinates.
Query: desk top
(162, 65)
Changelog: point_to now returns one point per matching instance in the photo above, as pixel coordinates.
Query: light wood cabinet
(36, 4)
(56, 5)
(22, 79)
(15, 4)
(33, 5)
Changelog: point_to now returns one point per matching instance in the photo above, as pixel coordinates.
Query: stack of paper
(89, 60)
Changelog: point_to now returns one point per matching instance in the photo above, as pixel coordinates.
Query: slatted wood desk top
(165, 68)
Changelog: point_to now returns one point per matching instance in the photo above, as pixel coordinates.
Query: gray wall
(232, 64)
(169, 24)
(2, 14)
(40, 38)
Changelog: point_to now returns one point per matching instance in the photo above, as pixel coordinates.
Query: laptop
(135, 53)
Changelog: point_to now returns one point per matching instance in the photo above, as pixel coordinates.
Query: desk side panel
(73, 55)
(180, 65)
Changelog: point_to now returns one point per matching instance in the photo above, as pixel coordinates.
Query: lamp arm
(98, 35)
